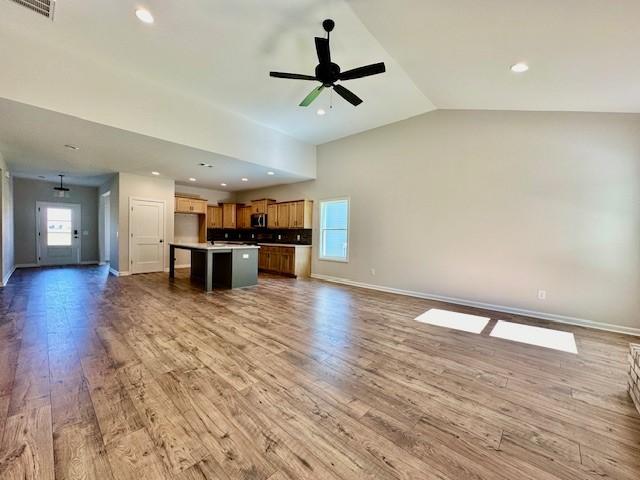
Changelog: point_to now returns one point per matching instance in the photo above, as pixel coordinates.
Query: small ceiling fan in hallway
(328, 72)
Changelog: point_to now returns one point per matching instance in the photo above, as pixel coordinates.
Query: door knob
(160, 240)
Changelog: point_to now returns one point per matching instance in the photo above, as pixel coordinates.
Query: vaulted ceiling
(198, 76)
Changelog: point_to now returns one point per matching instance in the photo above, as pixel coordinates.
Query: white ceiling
(583, 54)
(222, 51)
(32, 142)
(217, 54)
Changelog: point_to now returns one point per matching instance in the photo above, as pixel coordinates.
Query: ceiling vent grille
(43, 7)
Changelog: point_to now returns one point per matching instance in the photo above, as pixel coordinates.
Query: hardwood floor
(140, 378)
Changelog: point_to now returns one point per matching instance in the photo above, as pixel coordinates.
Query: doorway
(146, 235)
(58, 227)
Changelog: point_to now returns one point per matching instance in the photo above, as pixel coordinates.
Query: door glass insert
(58, 227)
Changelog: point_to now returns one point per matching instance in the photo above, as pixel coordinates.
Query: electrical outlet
(373, 271)
(298, 237)
(253, 236)
(279, 237)
(226, 235)
(542, 294)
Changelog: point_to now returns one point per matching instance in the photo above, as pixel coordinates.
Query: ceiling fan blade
(348, 95)
(365, 71)
(322, 49)
(293, 76)
(312, 96)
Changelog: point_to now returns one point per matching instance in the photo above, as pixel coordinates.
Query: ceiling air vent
(43, 7)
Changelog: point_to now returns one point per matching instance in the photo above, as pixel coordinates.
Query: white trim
(89, 262)
(334, 259)
(27, 265)
(185, 265)
(116, 273)
(164, 229)
(5, 280)
(581, 322)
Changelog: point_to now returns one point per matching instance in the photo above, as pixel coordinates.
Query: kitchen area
(232, 237)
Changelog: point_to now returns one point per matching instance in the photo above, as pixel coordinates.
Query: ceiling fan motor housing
(328, 73)
(328, 25)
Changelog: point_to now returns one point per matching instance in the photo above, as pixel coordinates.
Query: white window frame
(320, 242)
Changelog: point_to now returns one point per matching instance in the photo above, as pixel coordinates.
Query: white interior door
(146, 227)
(59, 231)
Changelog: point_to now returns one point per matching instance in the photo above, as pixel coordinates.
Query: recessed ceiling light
(320, 111)
(72, 147)
(223, 184)
(192, 179)
(271, 173)
(519, 67)
(245, 179)
(155, 173)
(144, 15)
(208, 165)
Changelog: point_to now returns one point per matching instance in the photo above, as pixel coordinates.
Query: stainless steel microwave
(259, 220)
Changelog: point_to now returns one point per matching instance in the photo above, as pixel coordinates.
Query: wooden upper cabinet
(283, 215)
(191, 205)
(199, 206)
(214, 216)
(183, 205)
(229, 212)
(296, 214)
(300, 214)
(261, 206)
(272, 216)
(244, 217)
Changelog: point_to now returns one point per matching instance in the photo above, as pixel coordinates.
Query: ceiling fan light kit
(328, 72)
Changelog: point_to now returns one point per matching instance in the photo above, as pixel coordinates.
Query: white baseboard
(117, 273)
(5, 280)
(33, 265)
(185, 265)
(487, 306)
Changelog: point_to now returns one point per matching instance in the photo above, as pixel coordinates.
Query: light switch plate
(245, 255)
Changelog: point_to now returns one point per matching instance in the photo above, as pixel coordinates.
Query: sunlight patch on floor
(455, 320)
(541, 337)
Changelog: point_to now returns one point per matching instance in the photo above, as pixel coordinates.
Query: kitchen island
(227, 266)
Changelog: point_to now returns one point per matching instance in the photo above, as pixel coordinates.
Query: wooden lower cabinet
(291, 260)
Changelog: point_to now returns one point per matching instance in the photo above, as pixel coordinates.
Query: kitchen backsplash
(299, 236)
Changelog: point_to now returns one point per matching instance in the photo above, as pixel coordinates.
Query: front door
(58, 233)
(146, 225)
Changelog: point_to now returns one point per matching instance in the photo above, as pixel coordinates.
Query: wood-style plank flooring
(139, 378)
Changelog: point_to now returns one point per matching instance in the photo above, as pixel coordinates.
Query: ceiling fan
(328, 72)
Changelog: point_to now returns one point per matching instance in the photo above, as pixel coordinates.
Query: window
(58, 226)
(334, 230)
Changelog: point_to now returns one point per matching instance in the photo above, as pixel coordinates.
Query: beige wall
(148, 188)
(186, 226)
(7, 263)
(489, 207)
